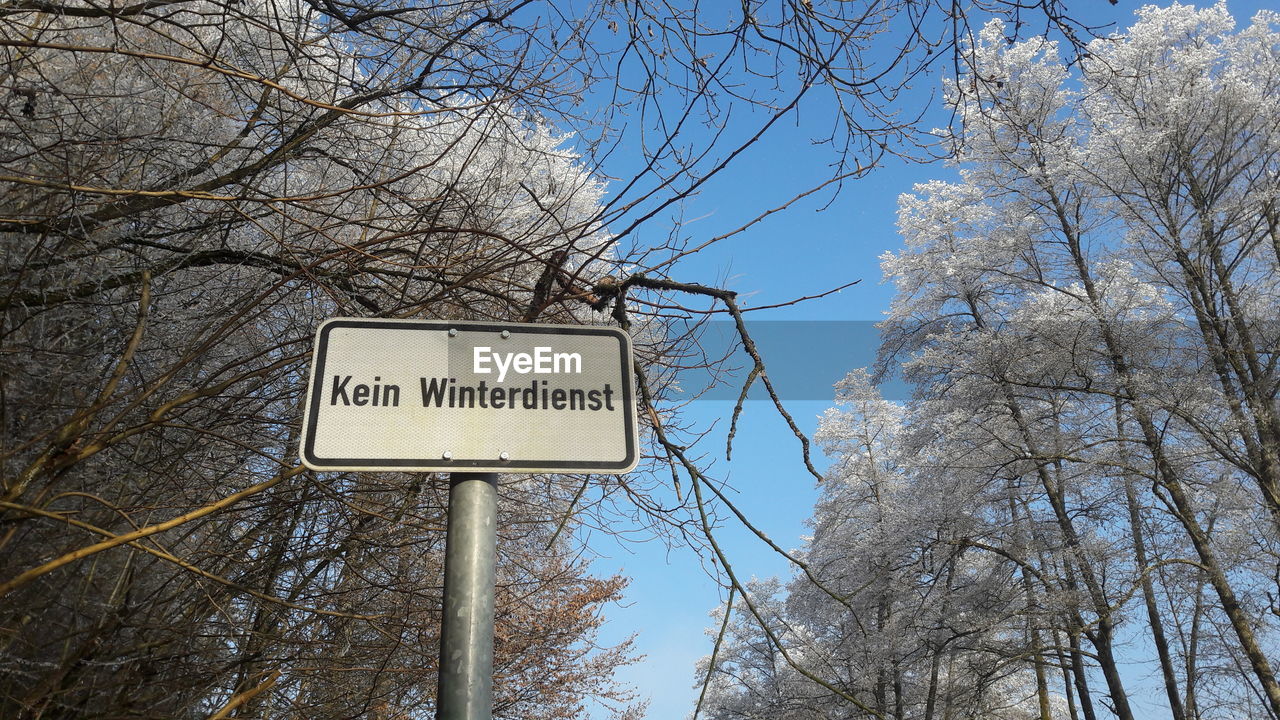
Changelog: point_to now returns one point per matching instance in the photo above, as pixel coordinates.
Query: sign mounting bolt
(504, 456)
(447, 455)
(506, 333)
(453, 332)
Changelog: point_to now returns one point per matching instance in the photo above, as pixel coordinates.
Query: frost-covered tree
(1087, 314)
(898, 612)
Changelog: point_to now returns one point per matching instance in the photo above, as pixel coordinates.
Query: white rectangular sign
(440, 395)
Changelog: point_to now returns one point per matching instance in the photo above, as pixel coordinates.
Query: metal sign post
(474, 400)
(466, 632)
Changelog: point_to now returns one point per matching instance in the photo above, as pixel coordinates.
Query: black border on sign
(307, 447)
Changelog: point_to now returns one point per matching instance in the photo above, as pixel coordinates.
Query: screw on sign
(472, 399)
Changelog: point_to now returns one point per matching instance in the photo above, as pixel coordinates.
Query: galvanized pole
(466, 632)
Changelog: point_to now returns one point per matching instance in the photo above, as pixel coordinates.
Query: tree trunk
(1148, 591)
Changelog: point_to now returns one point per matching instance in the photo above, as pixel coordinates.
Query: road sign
(451, 396)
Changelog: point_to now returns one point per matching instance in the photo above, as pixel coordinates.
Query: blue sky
(803, 251)
(816, 245)
(800, 253)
